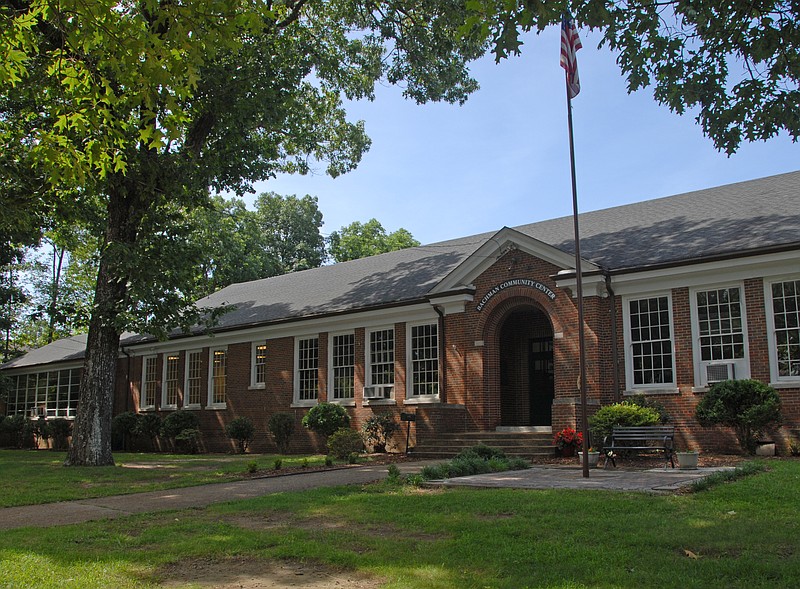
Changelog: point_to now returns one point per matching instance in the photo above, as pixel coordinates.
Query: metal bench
(649, 438)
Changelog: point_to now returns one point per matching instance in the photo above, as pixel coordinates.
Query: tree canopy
(137, 109)
(359, 240)
(736, 64)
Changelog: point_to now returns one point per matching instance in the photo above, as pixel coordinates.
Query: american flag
(570, 43)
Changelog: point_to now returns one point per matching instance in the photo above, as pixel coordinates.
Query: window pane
(651, 349)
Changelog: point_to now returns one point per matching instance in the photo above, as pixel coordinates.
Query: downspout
(614, 352)
(442, 355)
(128, 378)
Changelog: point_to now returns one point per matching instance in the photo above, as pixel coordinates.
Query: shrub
(748, 406)
(61, 428)
(177, 421)
(125, 425)
(252, 467)
(148, 425)
(378, 429)
(326, 418)
(188, 440)
(343, 443)
(624, 414)
(394, 477)
(14, 426)
(643, 400)
(277, 463)
(281, 426)
(242, 431)
(476, 460)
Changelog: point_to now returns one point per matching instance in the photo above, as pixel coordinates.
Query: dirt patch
(253, 573)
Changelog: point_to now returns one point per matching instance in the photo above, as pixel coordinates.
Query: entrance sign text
(516, 282)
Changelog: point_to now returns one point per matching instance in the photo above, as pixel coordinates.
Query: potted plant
(687, 459)
(567, 441)
(594, 457)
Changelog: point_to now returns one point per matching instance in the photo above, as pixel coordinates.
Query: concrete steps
(522, 444)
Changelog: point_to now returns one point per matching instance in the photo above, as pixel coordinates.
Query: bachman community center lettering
(516, 282)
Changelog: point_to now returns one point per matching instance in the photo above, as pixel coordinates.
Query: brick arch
(497, 312)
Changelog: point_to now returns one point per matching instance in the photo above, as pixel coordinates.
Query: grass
(34, 477)
(742, 533)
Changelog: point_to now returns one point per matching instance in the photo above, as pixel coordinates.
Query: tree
(291, 229)
(229, 245)
(737, 64)
(358, 240)
(136, 109)
(748, 406)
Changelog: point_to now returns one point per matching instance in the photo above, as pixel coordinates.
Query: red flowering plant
(568, 437)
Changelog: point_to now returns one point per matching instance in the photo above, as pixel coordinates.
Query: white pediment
(495, 247)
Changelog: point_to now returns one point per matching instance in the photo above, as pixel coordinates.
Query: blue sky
(443, 171)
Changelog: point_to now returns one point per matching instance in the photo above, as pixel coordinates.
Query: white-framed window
(306, 371)
(169, 381)
(380, 357)
(258, 365)
(342, 366)
(423, 360)
(193, 378)
(59, 398)
(783, 322)
(217, 378)
(719, 333)
(149, 382)
(649, 347)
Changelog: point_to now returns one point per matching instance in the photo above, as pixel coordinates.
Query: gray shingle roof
(733, 219)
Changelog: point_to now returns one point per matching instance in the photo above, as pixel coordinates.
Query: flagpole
(578, 290)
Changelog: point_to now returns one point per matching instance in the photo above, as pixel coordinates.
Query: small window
(343, 358)
(424, 351)
(193, 379)
(258, 377)
(217, 389)
(650, 361)
(169, 398)
(307, 369)
(149, 382)
(784, 298)
(380, 357)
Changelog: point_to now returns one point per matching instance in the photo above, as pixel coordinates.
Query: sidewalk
(73, 512)
(538, 477)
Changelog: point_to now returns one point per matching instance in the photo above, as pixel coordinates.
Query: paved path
(72, 512)
(655, 480)
(538, 477)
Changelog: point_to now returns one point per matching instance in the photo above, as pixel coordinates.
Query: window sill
(786, 384)
(196, 407)
(169, 407)
(147, 409)
(369, 402)
(343, 402)
(656, 391)
(217, 406)
(301, 404)
(257, 387)
(422, 400)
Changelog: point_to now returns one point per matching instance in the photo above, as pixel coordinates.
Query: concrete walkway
(538, 477)
(654, 480)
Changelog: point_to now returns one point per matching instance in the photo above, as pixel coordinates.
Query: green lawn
(31, 477)
(744, 534)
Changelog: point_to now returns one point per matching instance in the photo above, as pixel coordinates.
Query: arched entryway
(527, 385)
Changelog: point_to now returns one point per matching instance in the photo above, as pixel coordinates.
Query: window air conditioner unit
(718, 372)
(379, 391)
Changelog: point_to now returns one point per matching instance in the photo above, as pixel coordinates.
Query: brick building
(480, 333)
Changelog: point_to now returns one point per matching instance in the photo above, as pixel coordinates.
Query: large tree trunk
(91, 432)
